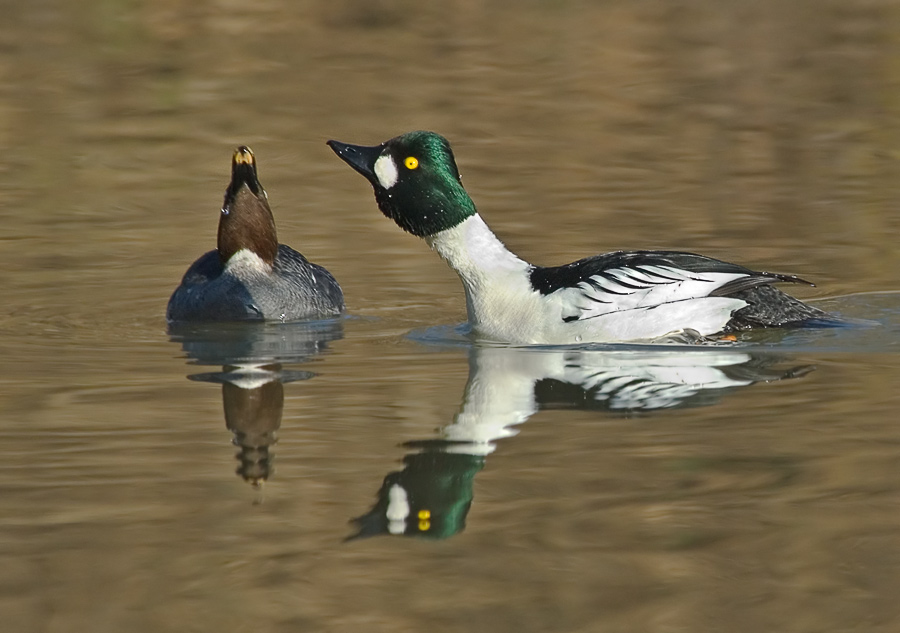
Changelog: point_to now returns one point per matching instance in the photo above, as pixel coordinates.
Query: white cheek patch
(386, 171)
(397, 510)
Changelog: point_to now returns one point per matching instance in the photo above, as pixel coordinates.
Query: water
(149, 486)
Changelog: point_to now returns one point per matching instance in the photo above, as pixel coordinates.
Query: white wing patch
(639, 288)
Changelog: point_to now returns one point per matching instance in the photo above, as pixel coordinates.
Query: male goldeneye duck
(620, 296)
(250, 276)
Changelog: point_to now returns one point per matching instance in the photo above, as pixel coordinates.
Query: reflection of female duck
(252, 378)
(253, 400)
(431, 496)
(250, 276)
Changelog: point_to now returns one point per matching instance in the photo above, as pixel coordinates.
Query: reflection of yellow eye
(424, 526)
(411, 162)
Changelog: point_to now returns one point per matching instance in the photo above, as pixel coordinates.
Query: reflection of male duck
(252, 378)
(431, 496)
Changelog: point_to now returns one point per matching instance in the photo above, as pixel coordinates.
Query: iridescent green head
(416, 181)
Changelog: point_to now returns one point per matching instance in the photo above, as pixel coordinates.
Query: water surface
(383, 472)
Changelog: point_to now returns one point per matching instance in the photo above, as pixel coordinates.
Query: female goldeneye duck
(620, 296)
(250, 276)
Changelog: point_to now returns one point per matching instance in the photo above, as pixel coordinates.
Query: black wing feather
(548, 280)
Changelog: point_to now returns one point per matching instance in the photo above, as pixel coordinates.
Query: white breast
(246, 263)
(651, 302)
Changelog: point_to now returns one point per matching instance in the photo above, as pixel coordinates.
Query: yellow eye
(411, 162)
(424, 515)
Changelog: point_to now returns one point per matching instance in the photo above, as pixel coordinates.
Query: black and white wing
(640, 280)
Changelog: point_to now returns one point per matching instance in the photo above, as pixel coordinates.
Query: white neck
(473, 251)
(491, 274)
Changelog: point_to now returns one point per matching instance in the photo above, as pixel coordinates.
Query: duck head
(415, 178)
(246, 222)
